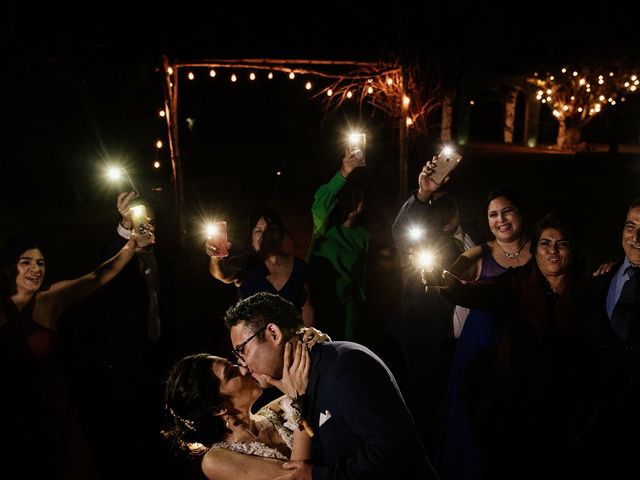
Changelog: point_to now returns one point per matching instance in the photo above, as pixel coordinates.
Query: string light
(156, 164)
(212, 73)
(191, 76)
(307, 85)
(159, 144)
(233, 77)
(270, 76)
(292, 75)
(161, 113)
(252, 76)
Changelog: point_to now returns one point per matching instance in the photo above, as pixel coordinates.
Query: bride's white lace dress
(265, 418)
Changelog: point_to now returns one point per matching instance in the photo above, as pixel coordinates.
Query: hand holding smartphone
(444, 163)
(358, 146)
(139, 220)
(217, 238)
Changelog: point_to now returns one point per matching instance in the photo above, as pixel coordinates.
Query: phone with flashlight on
(217, 237)
(140, 220)
(358, 145)
(430, 271)
(445, 162)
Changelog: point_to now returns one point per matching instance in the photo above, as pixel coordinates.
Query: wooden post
(171, 114)
(403, 144)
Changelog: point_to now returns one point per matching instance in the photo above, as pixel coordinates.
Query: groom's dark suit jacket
(615, 422)
(362, 426)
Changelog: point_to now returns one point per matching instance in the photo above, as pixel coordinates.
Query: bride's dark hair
(192, 396)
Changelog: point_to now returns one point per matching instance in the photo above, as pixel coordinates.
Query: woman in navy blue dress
(460, 456)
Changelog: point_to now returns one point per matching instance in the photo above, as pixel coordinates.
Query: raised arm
(226, 269)
(61, 294)
(415, 213)
(325, 197)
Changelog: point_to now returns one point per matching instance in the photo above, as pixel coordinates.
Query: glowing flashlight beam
(212, 230)
(140, 213)
(447, 151)
(415, 233)
(115, 174)
(425, 259)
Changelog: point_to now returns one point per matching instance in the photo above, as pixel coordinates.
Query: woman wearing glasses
(527, 391)
(209, 400)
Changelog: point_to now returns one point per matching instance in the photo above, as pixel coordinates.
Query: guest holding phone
(38, 436)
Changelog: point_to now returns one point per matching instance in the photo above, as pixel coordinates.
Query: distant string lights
(343, 87)
(575, 97)
(378, 84)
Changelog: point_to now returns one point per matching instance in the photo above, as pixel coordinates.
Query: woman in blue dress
(460, 452)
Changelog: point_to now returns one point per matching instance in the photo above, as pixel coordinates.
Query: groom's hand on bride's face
(295, 372)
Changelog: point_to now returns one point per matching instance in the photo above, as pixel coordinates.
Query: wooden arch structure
(382, 85)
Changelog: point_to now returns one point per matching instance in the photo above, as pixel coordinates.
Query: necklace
(510, 255)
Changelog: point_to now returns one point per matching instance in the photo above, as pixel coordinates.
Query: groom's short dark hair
(263, 308)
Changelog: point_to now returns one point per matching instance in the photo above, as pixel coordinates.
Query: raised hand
(352, 159)
(212, 250)
(122, 203)
(143, 240)
(426, 186)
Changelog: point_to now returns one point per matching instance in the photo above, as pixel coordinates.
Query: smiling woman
(38, 433)
(525, 392)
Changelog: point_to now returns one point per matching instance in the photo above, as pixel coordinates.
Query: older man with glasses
(612, 321)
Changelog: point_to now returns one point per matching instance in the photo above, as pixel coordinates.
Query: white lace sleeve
(278, 422)
(258, 449)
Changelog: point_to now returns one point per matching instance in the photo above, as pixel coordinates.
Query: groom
(362, 426)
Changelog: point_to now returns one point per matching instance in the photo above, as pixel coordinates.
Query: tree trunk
(509, 116)
(568, 136)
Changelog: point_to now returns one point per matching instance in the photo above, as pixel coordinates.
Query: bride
(209, 401)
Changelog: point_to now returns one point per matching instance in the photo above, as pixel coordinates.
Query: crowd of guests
(520, 358)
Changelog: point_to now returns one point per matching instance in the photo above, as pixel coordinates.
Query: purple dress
(459, 455)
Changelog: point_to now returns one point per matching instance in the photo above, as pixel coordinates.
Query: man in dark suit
(612, 323)
(362, 426)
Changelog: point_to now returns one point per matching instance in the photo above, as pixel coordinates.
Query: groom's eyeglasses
(238, 352)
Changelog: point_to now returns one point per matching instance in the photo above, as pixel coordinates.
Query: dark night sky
(78, 85)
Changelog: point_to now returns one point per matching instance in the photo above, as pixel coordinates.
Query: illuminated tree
(576, 97)
(410, 94)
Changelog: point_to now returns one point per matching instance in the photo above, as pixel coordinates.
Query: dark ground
(594, 189)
